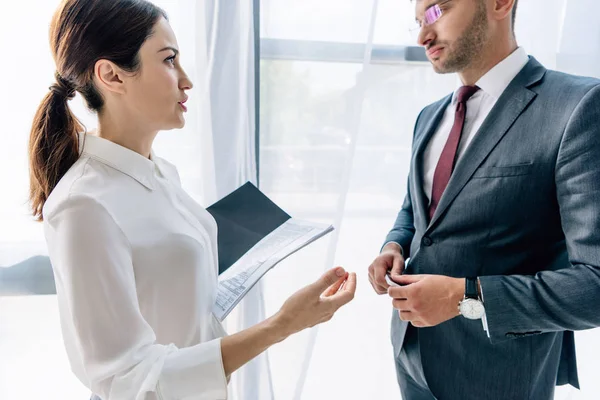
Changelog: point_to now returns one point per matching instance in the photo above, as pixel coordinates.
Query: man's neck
(495, 54)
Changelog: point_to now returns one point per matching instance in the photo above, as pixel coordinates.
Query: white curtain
(579, 46)
(231, 73)
(335, 147)
(214, 154)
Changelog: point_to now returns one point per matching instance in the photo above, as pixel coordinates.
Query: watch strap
(471, 291)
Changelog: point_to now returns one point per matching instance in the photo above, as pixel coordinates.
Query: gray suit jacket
(521, 211)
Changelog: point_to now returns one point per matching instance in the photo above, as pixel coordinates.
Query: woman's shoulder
(83, 182)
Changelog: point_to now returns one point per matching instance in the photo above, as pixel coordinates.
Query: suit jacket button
(427, 241)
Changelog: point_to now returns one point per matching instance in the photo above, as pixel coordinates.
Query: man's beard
(468, 46)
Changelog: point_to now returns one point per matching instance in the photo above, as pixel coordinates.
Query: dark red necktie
(447, 161)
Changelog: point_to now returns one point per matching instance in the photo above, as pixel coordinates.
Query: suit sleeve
(566, 299)
(403, 230)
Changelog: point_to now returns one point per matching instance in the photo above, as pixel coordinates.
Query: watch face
(472, 309)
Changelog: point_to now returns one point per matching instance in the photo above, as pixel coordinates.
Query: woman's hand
(307, 307)
(316, 303)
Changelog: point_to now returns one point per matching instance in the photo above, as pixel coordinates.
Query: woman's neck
(126, 134)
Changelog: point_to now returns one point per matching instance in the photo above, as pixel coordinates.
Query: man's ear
(502, 9)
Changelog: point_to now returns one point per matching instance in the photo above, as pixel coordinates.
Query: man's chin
(438, 67)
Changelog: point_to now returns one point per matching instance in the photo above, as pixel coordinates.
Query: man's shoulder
(566, 78)
(567, 85)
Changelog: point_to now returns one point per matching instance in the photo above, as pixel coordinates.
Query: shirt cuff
(484, 318)
(196, 373)
(401, 249)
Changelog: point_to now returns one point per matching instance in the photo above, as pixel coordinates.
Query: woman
(134, 257)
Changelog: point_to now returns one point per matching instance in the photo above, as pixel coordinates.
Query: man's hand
(389, 259)
(427, 300)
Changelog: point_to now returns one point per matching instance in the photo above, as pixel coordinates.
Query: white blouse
(135, 265)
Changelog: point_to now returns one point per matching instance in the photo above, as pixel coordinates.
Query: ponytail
(53, 143)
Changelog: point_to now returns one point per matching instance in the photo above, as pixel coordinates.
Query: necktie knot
(465, 93)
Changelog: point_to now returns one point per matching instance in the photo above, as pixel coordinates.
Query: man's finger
(400, 293)
(396, 268)
(401, 305)
(409, 279)
(379, 274)
(379, 289)
(371, 275)
(405, 315)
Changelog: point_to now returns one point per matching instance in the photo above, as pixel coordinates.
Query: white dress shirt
(135, 265)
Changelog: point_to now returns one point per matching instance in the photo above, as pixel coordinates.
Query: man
(501, 220)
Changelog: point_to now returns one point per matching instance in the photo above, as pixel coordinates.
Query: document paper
(254, 234)
(238, 279)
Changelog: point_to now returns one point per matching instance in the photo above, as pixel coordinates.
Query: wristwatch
(471, 306)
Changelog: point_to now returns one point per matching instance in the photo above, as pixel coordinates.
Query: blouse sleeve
(95, 283)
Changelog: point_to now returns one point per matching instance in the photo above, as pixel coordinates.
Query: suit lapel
(419, 198)
(509, 107)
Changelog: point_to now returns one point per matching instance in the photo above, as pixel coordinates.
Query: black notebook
(244, 217)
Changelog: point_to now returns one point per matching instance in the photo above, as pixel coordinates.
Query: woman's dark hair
(81, 33)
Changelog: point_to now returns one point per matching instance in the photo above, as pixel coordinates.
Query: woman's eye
(171, 60)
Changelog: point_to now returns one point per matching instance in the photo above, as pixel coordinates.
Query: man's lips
(434, 51)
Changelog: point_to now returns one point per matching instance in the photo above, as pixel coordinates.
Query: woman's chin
(177, 123)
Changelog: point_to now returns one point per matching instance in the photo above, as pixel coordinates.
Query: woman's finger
(344, 296)
(345, 280)
(335, 287)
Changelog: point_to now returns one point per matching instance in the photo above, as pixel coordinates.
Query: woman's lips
(182, 105)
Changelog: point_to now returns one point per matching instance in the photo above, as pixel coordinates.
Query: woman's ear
(109, 77)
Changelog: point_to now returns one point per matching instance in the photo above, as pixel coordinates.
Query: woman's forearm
(311, 305)
(241, 347)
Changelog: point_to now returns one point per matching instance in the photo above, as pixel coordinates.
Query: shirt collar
(120, 158)
(497, 79)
